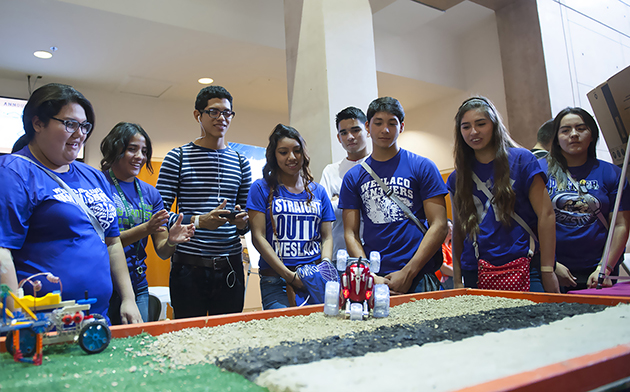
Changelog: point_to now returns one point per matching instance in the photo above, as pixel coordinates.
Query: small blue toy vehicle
(49, 320)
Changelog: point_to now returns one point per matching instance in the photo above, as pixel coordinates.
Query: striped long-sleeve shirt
(207, 177)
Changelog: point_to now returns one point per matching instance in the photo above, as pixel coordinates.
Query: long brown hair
(503, 195)
(556, 162)
(271, 169)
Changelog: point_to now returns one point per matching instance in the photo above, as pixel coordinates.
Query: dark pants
(199, 291)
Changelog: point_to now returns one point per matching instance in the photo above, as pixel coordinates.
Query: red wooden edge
(577, 374)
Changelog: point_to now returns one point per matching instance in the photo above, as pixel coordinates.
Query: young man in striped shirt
(209, 180)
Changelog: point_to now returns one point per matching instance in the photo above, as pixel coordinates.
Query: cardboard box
(611, 103)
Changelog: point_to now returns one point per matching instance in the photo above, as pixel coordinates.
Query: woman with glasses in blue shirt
(58, 215)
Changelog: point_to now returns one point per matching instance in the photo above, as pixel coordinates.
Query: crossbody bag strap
(599, 214)
(77, 198)
(532, 237)
(390, 193)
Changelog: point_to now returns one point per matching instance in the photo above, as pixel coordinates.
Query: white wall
(169, 123)
(429, 130)
(585, 43)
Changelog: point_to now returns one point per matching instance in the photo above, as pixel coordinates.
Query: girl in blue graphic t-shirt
(583, 190)
(290, 218)
(513, 178)
(126, 149)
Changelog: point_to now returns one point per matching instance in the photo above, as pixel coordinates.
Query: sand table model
(257, 348)
(206, 345)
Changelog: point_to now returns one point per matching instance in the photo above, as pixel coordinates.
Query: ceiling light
(42, 54)
(205, 80)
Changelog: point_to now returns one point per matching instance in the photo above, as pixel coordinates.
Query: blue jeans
(273, 292)
(142, 300)
(423, 283)
(535, 281)
(448, 283)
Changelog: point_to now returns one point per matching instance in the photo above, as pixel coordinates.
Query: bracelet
(546, 268)
(169, 243)
(196, 222)
(326, 259)
(608, 268)
(292, 280)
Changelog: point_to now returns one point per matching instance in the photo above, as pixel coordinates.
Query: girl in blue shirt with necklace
(126, 149)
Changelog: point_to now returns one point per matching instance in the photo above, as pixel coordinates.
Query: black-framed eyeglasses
(216, 113)
(73, 125)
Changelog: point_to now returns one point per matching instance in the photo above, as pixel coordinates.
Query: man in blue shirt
(407, 254)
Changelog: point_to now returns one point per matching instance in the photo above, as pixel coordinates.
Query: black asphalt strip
(252, 362)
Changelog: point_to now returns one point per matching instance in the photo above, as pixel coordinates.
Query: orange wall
(157, 269)
(449, 213)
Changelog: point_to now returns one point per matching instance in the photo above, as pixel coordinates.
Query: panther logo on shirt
(573, 209)
(96, 200)
(381, 209)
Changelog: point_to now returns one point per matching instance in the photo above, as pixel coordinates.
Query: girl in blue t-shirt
(484, 227)
(126, 149)
(290, 218)
(583, 190)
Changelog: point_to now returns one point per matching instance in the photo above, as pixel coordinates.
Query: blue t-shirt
(297, 222)
(135, 253)
(386, 228)
(47, 232)
(580, 235)
(499, 244)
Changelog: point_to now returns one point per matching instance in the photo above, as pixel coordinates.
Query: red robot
(357, 294)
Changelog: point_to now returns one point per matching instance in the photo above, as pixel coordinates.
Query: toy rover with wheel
(357, 294)
(49, 320)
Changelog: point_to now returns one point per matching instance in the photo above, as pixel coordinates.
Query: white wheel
(381, 301)
(331, 299)
(375, 261)
(356, 311)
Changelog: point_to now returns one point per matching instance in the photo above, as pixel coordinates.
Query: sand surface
(450, 365)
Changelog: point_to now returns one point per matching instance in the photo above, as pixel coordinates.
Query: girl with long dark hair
(290, 218)
(139, 207)
(583, 190)
(494, 185)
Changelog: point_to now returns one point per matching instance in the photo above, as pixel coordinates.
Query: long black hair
(115, 144)
(504, 196)
(45, 103)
